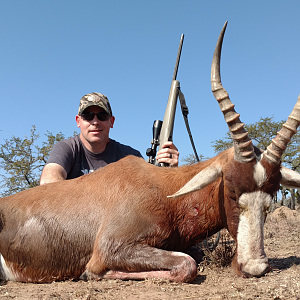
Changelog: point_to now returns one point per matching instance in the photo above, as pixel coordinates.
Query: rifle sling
(185, 112)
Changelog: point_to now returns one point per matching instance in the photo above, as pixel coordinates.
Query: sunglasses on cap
(89, 116)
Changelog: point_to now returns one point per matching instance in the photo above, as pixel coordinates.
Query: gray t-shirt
(77, 160)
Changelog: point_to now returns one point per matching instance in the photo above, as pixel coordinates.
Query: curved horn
(279, 143)
(243, 148)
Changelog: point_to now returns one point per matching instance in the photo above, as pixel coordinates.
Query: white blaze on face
(250, 251)
(260, 174)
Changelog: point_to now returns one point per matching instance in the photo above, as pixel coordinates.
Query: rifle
(163, 131)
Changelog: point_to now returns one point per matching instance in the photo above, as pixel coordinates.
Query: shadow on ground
(199, 279)
(284, 263)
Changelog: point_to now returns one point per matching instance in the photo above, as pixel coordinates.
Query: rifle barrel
(178, 58)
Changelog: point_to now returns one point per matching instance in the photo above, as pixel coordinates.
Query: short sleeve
(63, 155)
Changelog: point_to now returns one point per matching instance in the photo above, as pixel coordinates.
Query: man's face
(95, 131)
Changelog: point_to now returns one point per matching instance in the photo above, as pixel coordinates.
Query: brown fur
(118, 218)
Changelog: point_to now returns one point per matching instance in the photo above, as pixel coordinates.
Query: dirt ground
(282, 246)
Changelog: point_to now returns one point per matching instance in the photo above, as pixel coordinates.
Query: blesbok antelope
(119, 222)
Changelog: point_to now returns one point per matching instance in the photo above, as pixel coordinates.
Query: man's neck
(94, 147)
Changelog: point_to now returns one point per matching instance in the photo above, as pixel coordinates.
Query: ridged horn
(279, 143)
(243, 148)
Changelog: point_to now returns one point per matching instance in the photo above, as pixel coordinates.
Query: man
(92, 148)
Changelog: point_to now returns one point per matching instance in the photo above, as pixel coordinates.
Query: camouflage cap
(94, 99)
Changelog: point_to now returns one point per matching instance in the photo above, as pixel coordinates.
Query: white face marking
(260, 174)
(250, 254)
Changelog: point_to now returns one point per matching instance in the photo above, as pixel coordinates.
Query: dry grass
(222, 255)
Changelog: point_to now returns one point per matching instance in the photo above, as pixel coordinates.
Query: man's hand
(168, 154)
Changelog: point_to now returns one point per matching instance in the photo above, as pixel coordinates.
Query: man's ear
(77, 118)
(112, 121)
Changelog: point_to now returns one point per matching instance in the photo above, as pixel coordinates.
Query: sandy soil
(282, 245)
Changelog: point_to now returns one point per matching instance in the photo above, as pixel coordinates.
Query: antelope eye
(266, 208)
(243, 208)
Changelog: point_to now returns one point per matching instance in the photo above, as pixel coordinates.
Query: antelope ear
(290, 178)
(200, 181)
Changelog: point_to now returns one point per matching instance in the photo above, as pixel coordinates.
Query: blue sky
(54, 52)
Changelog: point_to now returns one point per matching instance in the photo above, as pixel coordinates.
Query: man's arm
(53, 172)
(60, 160)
